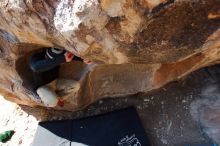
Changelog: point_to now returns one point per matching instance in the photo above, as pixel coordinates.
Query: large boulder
(135, 45)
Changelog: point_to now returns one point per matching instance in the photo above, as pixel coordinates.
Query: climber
(45, 66)
(50, 58)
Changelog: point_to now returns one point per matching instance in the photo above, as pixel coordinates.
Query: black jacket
(48, 59)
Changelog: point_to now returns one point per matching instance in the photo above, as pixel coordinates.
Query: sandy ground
(182, 112)
(12, 117)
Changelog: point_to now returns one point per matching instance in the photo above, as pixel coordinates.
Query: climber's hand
(68, 56)
(60, 102)
(87, 61)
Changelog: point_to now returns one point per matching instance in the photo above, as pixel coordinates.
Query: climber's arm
(70, 56)
(77, 58)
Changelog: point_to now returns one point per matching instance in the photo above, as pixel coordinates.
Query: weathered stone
(206, 111)
(136, 46)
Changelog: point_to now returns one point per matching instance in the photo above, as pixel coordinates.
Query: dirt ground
(169, 115)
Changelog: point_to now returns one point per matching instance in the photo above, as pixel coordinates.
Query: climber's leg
(40, 78)
(43, 78)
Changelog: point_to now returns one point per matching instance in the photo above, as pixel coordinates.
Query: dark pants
(42, 78)
(45, 74)
(45, 70)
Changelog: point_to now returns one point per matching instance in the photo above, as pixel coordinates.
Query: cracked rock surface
(135, 45)
(182, 112)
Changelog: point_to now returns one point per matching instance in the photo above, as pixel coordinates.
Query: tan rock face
(136, 46)
(150, 4)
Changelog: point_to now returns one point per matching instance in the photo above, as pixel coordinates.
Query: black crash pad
(118, 128)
